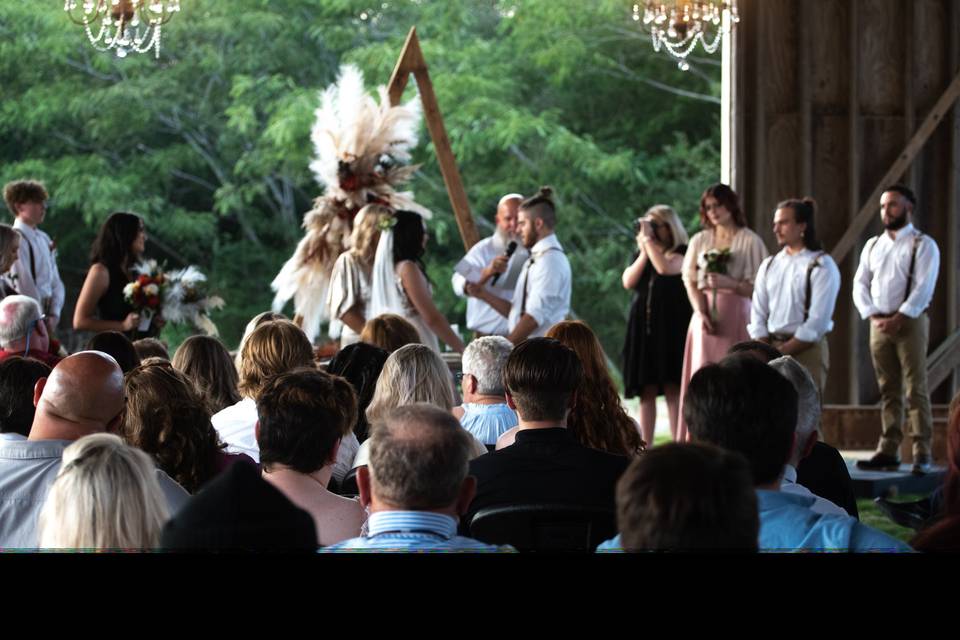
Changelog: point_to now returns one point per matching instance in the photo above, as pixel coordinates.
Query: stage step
(857, 427)
(873, 484)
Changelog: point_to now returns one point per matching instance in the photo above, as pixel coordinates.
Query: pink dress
(733, 310)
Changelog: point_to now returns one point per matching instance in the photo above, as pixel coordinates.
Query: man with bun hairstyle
(796, 291)
(542, 295)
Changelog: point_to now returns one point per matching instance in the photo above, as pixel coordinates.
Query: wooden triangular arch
(411, 61)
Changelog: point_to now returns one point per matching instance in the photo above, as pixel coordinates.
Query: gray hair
(419, 457)
(484, 359)
(16, 314)
(808, 397)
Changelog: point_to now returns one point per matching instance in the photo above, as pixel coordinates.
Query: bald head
(507, 213)
(84, 394)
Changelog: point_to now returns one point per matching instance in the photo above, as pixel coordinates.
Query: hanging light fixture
(679, 25)
(124, 26)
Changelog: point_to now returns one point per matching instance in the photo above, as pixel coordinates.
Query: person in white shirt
(796, 291)
(487, 261)
(35, 271)
(893, 288)
(542, 295)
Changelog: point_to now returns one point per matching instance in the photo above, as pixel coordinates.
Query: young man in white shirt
(893, 288)
(542, 295)
(35, 271)
(796, 291)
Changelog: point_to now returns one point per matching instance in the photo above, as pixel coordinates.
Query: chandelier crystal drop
(124, 26)
(678, 26)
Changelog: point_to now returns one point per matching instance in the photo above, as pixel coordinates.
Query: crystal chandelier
(678, 26)
(122, 25)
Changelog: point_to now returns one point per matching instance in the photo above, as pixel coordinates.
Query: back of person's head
(755, 349)
(360, 364)
(414, 373)
(389, 332)
(117, 345)
(484, 359)
(168, 419)
(598, 419)
(18, 192)
(151, 348)
(366, 232)
(419, 458)
(541, 205)
(274, 347)
(408, 234)
(207, 363)
(113, 245)
(255, 321)
(9, 240)
(808, 403)
(303, 415)
(541, 375)
(83, 395)
(18, 377)
(688, 497)
(743, 405)
(17, 317)
(240, 511)
(106, 496)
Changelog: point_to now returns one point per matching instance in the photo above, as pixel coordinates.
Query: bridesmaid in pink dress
(711, 335)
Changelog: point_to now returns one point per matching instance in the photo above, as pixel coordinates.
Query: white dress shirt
(881, 281)
(47, 284)
(820, 505)
(780, 293)
(482, 317)
(547, 281)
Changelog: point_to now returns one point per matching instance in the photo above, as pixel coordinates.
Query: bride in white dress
(400, 282)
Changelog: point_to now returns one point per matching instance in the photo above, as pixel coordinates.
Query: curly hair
(168, 419)
(597, 419)
(20, 191)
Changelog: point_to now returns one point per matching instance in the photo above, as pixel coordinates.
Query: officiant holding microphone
(495, 263)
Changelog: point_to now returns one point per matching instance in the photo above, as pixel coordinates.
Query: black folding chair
(545, 527)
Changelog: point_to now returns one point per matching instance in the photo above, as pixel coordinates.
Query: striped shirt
(413, 531)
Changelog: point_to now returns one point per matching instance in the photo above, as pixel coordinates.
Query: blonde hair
(414, 373)
(666, 215)
(8, 238)
(255, 321)
(366, 232)
(273, 348)
(106, 496)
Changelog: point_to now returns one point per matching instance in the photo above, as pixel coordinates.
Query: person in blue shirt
(415, 485)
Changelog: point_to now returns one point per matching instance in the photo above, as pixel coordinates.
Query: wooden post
(853, 171)
(411, 61)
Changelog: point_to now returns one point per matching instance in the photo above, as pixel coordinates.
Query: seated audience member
(209, 366)
(83, 395)
(546, 464)
(168, 419)
(304, 414)
(255, 321)
(117, 345)
(416, 485)
(944, 533)
(240, 511)
(412, 373)
(687, 497)
(18, 378)
(822, 470)
(808, 418)
(484, 411)
(742, 405)
(389, 332)
(106, 497)
(151, 348)
(23, 331)
(360, 364)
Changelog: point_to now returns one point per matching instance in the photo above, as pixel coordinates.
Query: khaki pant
(816, 360)
(901, 360)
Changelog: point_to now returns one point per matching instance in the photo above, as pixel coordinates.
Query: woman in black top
(101, 305)
(9, 251)
(659, 315)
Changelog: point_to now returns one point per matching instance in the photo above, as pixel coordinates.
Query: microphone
(509, 252)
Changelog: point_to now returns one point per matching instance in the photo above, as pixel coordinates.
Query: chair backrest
(348, 486)
(545, 527)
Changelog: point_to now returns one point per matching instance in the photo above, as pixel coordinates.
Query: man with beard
(893, 287)
(486, 261)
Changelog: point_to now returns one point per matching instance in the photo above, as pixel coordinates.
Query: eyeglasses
(30, 330)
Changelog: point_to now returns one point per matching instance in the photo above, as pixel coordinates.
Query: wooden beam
(869, 210)
(412, 61)
(953, 190)
(942, 362)
(759, 119)
(853, 173)
(805, 77)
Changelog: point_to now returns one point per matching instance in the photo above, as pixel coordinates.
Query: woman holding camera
(656, 329)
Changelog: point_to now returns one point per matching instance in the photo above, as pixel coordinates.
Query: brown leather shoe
(879, 462)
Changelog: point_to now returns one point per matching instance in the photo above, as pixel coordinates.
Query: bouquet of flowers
(717, 260)
(186, 300)
(145, 293)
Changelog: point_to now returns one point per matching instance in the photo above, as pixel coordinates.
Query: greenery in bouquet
(717, 261)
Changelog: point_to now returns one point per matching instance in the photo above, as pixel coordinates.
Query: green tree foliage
(211, 142)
